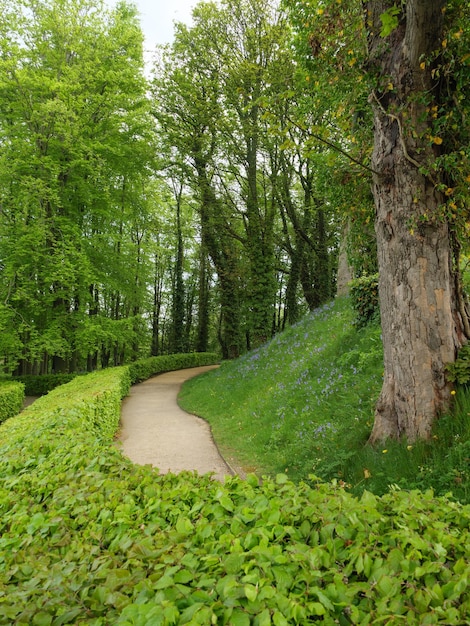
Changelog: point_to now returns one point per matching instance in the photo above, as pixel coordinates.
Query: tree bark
(421, 325)
(344, 274)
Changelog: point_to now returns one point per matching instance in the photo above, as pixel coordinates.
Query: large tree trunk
(422, 328)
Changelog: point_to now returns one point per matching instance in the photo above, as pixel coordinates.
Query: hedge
(145, 368)
(40, 385)
(11, 399)
(86, 537)
(140, 370)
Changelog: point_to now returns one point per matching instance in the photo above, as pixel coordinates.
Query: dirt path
(156, 431)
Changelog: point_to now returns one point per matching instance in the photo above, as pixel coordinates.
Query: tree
(411, 59)
(75, 135)
(251, 45)
(422, 315)
(187, 94)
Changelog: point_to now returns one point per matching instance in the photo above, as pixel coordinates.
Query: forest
(267, 156)
(201, 207)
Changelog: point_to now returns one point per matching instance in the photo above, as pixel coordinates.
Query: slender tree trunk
(323, 275)
(177, 336)
(157, 305)
(292, 313)
(92, 358)
(224, 256)
(421, 325)
(203, 308)
(259, 231)
(344, 274)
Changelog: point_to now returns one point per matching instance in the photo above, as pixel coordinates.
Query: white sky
(157, 17)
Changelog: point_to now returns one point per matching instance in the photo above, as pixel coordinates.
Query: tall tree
(421, 312)
(187, 95)
(251, 46)
(73, 110)
(410, 57)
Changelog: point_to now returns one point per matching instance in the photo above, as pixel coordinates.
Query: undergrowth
(303, 404)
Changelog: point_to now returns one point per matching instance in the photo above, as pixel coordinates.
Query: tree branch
(336, 147)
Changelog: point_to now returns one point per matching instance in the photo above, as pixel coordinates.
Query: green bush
(11, 399)
(40, 385)
(459, 371)
(364, 292)
(145, 368)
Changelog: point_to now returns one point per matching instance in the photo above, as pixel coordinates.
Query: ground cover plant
(303, 404)
(86, 537)
(89, 538)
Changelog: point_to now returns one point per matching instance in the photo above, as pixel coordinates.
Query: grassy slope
(298, 401)
(303, 404)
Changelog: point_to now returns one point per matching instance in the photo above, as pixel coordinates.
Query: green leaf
(226, 502)
(279, 619)
(233, 563)
(189, 613)
(42, 619)
(389, 20)
(183, 577)
(325, 601)
(251, 592)
(263, 619)
(239, 618)
(164, 582)
(184, 526)
(387, 586)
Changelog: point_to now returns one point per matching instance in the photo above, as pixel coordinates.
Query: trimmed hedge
(40, 385)
(11, 399)
(145, 368)
(86, 537)
(140, 370)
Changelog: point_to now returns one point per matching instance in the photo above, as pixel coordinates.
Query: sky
(157, 17)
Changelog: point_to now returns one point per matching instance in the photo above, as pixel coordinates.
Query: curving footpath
(156, 431)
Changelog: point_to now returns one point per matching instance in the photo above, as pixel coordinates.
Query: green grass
(303, 405)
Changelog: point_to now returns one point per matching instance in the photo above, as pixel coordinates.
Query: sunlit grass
(303, 404)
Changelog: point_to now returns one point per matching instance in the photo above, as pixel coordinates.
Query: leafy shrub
(86, 537)
(40, 385)
(364, 292)
(11, 399)
(145, 368)
(459, 371)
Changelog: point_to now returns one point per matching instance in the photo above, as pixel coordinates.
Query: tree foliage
(226, 95)
(76, 148)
